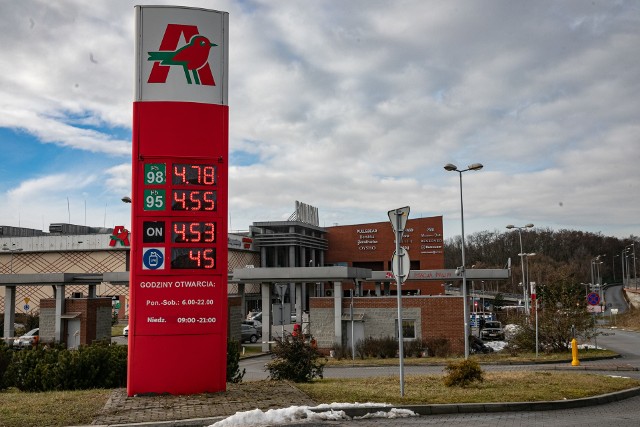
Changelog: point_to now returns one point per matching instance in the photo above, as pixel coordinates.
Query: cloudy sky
(350, 106)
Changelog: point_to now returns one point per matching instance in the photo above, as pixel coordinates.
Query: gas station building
(336, 280)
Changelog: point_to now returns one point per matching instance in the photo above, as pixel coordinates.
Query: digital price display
(193, 232)
(193, 258)
(193, 174)
(193, 200)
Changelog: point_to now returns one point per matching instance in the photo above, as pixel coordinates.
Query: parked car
(125, 331)
(249, 333)
(256, 316)
(492, 331)
(256, 324)
(27, 340)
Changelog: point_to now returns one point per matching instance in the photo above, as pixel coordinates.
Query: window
(408, 329)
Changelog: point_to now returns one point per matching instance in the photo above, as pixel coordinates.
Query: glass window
(408, 329)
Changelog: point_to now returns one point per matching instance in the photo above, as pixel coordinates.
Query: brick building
(372, 246)
(423, 317)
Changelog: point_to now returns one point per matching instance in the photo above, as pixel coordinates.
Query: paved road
(614, 298)
(624, 413)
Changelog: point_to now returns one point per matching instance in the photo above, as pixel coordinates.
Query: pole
(399, 232)
(622, 265)
(464, 279)
(525, 297)
(353, 338)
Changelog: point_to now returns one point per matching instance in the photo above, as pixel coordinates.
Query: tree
(498, 302)
(562, 317)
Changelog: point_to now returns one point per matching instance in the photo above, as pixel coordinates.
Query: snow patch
(256, 417)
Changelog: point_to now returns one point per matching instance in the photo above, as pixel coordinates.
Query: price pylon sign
(180, 151)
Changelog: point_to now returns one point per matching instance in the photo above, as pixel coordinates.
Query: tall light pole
(635, 277)
(524, 282)
(595, 270)
(534, 300)
(453, 168)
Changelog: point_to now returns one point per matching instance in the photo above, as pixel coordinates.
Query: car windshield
(492, 325)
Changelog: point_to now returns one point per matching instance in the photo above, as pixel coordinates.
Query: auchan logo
(120, 235)
(193, 57)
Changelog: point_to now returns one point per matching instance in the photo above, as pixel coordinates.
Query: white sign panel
(181, 54)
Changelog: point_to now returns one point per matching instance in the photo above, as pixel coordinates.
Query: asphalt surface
(619, 409)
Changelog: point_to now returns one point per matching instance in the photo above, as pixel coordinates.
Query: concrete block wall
(435, 316)
(47, 321)
(322, 324)
(103, 323)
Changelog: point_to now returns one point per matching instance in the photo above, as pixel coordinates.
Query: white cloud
(354, 107)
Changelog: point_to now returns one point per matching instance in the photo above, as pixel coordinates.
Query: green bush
(5, 361)
(43, 368)
(295, 360)
(234, 374)
(462, 374)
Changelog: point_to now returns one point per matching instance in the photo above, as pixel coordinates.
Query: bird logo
(193, 57)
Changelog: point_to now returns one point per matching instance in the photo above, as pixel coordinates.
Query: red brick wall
(375, 242)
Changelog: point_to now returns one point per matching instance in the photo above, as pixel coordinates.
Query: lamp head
(450, 167)
(126, 199)
(475, 167)
(510, 226)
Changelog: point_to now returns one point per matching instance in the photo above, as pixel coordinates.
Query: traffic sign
(400, 263)
(398, 218)
(593, 298)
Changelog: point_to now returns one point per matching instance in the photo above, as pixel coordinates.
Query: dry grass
(629, 320)
(55, 408)
(497, 387)
(499, 357)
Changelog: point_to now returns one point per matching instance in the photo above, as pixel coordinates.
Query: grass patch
(499, 357)
(116, 330)
(55, 408)
(497, 387)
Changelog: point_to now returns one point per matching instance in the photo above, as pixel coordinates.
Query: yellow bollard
(574, 353)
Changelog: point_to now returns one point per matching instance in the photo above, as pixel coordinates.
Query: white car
(27, 340)
(125, 331)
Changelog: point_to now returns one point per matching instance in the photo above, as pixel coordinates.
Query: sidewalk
(201, 409)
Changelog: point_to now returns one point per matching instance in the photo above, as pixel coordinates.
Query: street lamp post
(534, 302)
(453, 168)
(633, 254)
(595, 276)
(522, 267)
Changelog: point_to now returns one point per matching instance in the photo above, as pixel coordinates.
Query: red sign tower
(178, 283)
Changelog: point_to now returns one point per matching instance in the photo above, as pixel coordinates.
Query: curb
(469, 408)
(422, 410)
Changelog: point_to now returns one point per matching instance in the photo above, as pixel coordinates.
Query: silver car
(27, 340)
